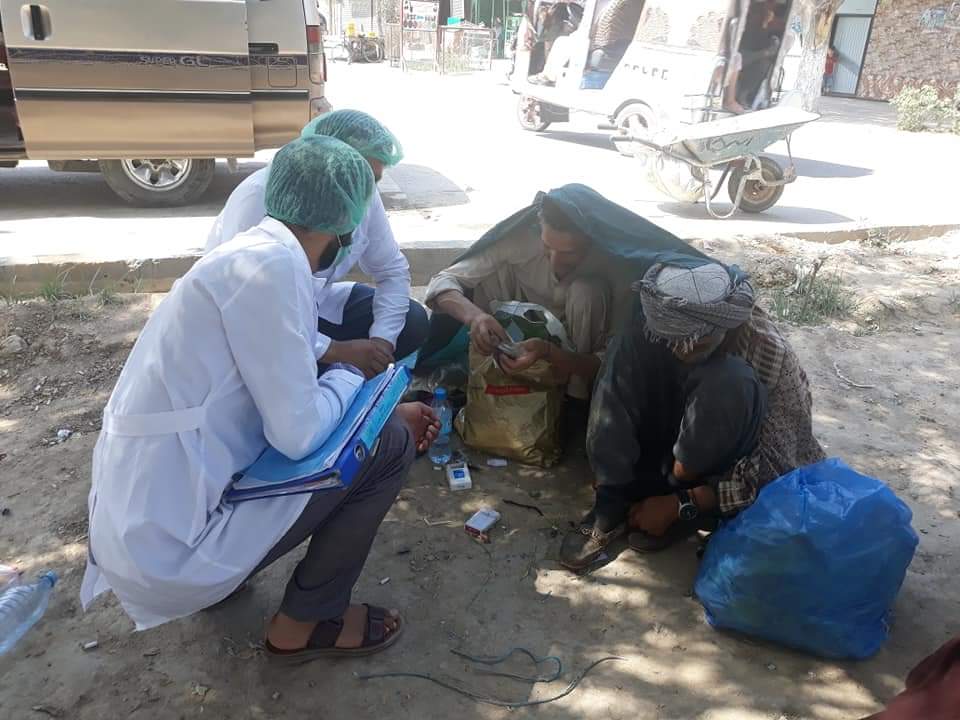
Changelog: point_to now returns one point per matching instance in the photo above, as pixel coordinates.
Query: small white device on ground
(458, 476)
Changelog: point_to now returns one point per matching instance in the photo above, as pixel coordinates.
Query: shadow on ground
(422, 187)
(821, 169)
(587, 139)
(776, 214)
(37, 193)
(897, 425)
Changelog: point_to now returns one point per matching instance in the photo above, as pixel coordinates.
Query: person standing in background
(829, 69)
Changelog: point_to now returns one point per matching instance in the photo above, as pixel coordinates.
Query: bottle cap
(440, 394)
(50, 576)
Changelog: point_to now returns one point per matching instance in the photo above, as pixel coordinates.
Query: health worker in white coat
(367, 327)
(225, 365)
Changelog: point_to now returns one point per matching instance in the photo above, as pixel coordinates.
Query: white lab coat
(374, 248)
(224, 366)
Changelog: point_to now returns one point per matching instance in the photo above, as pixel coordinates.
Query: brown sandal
(643, 542)
(323, 639)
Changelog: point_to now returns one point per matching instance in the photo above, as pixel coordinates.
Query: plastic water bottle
(441, 451)
(21, 607)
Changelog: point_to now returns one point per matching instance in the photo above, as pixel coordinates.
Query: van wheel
(634, 119)
(158, 182)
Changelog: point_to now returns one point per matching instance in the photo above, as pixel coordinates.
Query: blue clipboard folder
(334, 464)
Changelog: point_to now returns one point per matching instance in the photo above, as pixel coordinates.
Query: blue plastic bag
(815, 563)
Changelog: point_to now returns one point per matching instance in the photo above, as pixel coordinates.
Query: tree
(816, 21)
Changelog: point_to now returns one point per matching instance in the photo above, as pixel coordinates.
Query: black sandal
(323, 639)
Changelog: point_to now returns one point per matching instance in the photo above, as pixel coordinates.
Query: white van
(150, 92)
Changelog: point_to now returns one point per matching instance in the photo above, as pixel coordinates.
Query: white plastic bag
(523, 321)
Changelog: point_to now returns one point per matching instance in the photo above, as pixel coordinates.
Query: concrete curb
(77, 277)
(889, 233)
(426, 260)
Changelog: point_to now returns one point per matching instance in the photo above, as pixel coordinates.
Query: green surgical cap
(360, 131)
(321, 184)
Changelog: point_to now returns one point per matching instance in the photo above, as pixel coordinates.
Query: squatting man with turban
(226, 365)
(700, 402)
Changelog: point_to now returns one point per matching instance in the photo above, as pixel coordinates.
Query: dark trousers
(341, 525)
(358, 318)
(649, 409)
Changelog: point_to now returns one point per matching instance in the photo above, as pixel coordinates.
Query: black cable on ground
(496, 660)
(476, 697)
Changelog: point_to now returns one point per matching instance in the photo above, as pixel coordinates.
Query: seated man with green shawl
(700, 403)
(574, 253)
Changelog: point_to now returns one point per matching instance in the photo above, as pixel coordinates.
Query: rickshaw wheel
(757, 197)
(634, 119)
(530, 115)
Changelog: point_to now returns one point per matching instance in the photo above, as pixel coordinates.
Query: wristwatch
(688, 508)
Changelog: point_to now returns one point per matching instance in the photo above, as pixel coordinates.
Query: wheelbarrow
(684, 158)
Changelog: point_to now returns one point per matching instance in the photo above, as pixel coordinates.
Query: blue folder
(334, 464)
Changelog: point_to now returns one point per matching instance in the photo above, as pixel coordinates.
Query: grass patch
(877, 238)
(10, 297)
(53, 291)
(107, 296)
(813, 298)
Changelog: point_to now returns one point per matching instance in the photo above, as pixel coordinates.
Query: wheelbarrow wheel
(530, 114)
(757, 196)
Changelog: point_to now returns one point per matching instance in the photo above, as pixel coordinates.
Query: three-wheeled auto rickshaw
(651, 68)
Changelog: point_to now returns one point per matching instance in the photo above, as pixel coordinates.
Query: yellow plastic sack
(512, 416)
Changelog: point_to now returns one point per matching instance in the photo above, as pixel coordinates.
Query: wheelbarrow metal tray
(719, 141)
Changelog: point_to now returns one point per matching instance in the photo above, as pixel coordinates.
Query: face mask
(334, 254)
(341, 255)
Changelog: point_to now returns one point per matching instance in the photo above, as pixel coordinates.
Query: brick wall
(913, 42)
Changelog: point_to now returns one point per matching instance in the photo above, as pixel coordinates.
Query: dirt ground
(901, 344)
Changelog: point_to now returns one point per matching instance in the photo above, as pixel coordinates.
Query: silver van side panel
(122, 78)
(279, 72)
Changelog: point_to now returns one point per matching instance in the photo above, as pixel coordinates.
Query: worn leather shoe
(582, 547)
